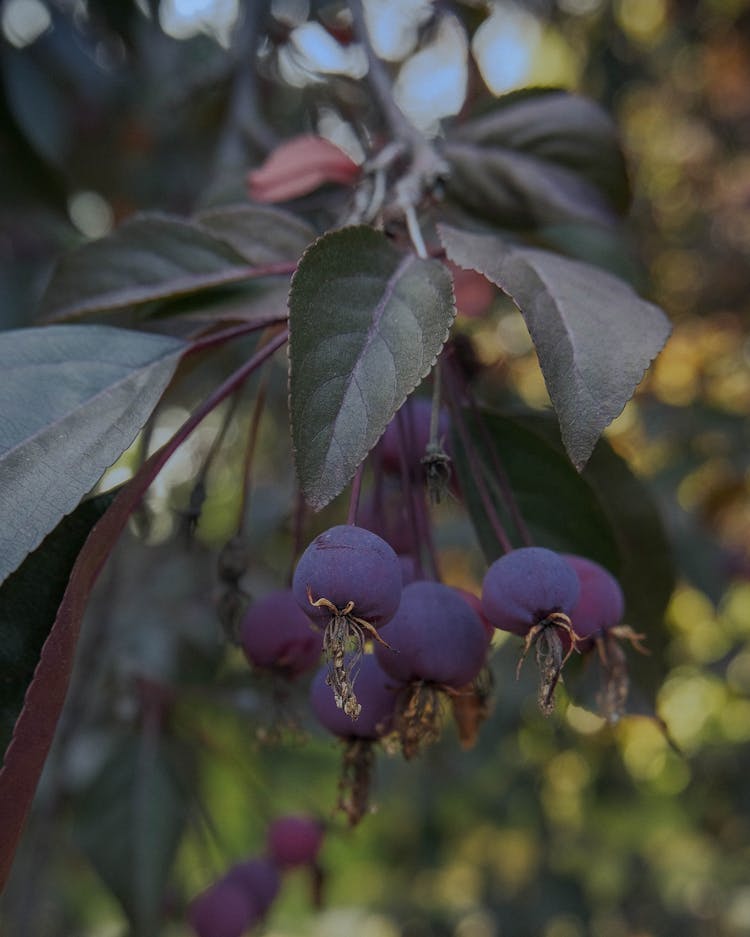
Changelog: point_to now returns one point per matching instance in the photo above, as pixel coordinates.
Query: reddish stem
(356, 492)
(260, 401)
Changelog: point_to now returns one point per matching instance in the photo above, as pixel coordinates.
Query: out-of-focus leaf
(152, 257)
(73, 399)
(130, 820)
(29, 600)
(299, 166)
(607, 248)
(560, 509)
(262, 235)
(366, 323)
(595, 337)
(541, 156)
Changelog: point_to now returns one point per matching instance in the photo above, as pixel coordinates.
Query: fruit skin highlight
(435, 636)
(277, 635)
(522, 588)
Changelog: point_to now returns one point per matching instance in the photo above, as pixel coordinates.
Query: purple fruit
(348, 565)
(276, 634)
(415, 422)
(601, 603)
(377, 692)
(525, 586)
(436, 636)
(294, 841)
(260, 881)
(224, 909)
(386, 515)
(349, 581)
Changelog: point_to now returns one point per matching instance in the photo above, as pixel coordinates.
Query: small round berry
(294, 841)
(348, 564)
(522, 588)
(436, 637)
(375, 689)
(260, 881)
(276, 634)
(224, 909)
(601, 603)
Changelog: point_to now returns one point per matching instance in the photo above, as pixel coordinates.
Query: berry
(348, 581)
(260, 881)
(385, 514)
(276, 634)
(531, 592)
(601, 603)
(415, 421)
(224, 909)
(294, 841)
(436, 635)
(476, 603)
(377, 691)
(526, 586)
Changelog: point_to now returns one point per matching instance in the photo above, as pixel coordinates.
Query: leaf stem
(356, 491)
(252, 439)
(475, 466)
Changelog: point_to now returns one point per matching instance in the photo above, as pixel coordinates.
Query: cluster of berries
(242, 897)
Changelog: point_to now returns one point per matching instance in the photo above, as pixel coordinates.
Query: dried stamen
(471, 707)
(354, 783)
(418, 718)
(345, 634)
(549, 654)
(437, 467)
(615, 680)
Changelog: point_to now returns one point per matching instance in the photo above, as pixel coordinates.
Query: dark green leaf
(73, 399)
(544, 156)
(153, 257)
(130, 820)
(561, 510)
(261, 234)
(595, 337)
(366, 323)
(646, 567)
(29, 600)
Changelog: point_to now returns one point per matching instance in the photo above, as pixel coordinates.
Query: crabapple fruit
(348, 581)
(224, 909)
(601, 603)
(276, 634)
(259, 879)
(294, 840)
(438, 637)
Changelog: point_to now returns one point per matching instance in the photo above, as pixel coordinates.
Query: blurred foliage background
(560, 827)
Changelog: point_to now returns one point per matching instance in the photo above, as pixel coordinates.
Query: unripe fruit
(522, 588)
(276, 634)
(349, 581)
(260, 881)
(377, 691)
(601, 603)
(436, 635)
(224, 909)
(294, 841)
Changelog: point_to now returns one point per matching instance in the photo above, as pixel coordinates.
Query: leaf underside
(76, 396)
(366, 324)
(594, 336)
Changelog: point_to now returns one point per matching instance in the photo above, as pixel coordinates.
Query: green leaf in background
(595, 337)
(539, 157)
(74, 398)
(366, 323)
(560, 509)
(29, 600)
(130, 820)
(154, 257)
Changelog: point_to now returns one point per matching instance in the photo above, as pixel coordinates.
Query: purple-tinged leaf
(595, 337)
(156, 257)
(35, 726)
(72, 399)
(366, 323)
